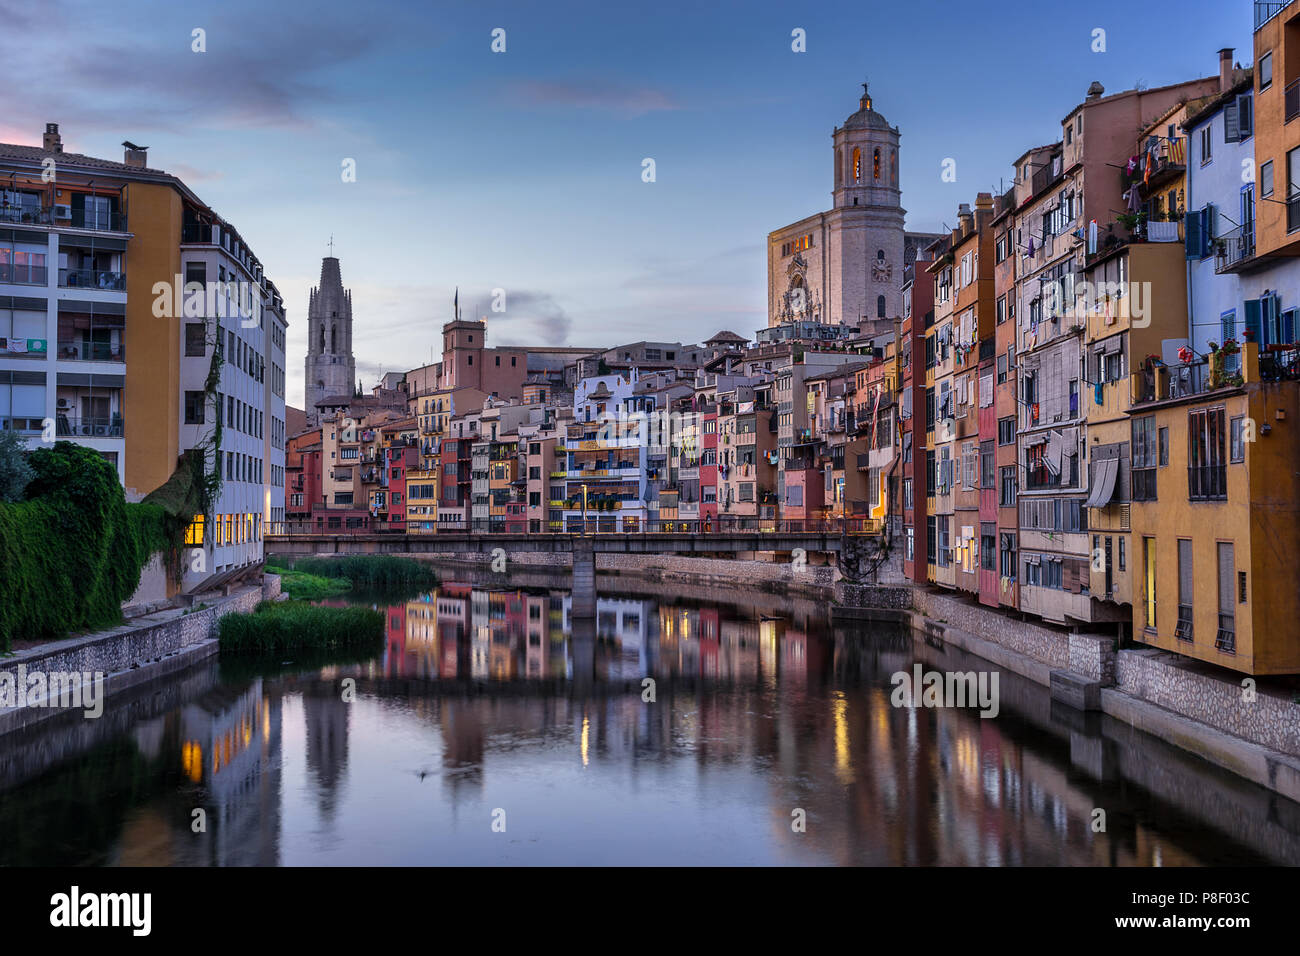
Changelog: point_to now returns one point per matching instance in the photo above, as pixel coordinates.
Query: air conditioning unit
(62, 211)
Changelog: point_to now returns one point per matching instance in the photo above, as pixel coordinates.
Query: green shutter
(1253, 312)
(1192, 224)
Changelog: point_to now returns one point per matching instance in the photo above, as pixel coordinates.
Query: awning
(1103, 483)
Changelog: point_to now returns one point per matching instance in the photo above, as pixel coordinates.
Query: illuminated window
(857, 165)
(194, 533)
(875, 164)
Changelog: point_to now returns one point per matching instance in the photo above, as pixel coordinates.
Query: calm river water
(490, 730)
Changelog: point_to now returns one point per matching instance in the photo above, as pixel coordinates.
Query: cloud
(594, 94)
(530, 318)
(247, 77)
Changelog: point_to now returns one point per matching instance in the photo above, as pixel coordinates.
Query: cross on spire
(331, 245)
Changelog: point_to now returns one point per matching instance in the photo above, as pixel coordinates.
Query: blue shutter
(1192, 225)
(1253, 311)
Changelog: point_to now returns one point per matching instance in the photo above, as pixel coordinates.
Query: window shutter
(1253, 312)
(1231, 124)
(1192, 225)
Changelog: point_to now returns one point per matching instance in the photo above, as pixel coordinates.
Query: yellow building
(422, 501)
(1138, 299)
(1214, 522)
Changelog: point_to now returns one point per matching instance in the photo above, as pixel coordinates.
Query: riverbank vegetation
(309, 587)
(369, 573)
(280, 626)
(72, 549)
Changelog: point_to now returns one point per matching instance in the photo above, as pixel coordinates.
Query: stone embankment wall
(141, 650)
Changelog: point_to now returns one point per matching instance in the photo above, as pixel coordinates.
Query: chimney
(983, 200)
(52, 142)
(1225, 69)
(137, 156)
(1096, 91)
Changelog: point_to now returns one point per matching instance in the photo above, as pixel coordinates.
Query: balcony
(23, 273)
(1234, 249)
(92, 279)
(23, 348)
(1291, 100)
(82, 426)
(96, 220)
(89, 351)
(27, 426)
(1168, 163)
(1293, 213)
(1266, 10)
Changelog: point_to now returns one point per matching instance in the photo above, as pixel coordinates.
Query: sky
(522, 170)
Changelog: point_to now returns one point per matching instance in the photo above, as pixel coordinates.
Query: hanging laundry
(1097, 393)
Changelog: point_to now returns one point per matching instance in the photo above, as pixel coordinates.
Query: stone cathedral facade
(331, 369)
(846, 265)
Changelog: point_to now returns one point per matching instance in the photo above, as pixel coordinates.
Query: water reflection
(487, 700)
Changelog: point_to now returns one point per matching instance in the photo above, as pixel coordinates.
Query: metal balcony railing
(1233, 248)
(92, 279)
(84, 426)
(23, 273)
(1291, 100)
(83, 351)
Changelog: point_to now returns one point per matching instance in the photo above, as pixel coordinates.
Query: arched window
(880, 306)
(880, 255)
(875, 163)
(857, 165)
(322, 338)
(334, 338)
(839, 168)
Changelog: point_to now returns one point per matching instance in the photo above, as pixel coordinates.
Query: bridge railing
(702, 527)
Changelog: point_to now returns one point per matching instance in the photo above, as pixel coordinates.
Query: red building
(918, 315)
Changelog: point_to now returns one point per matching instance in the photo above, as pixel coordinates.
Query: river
(491, 729)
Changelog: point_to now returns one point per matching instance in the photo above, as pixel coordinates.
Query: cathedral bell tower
(866, 159)
(331, 369)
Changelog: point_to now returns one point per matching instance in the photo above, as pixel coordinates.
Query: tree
(15, 473)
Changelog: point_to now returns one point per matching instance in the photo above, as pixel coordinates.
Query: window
(1206, 141)
(1007, 498)
(907, 494)
(1149, 575)
(1007, 430)
(1237, 440)
(1143, 472)
(196, 272)
(1206, 471)
(194, 402)
(1002, 369)
(880, 307)
(931, 540)
(194, 533)
(909, 545)
(1265, 71)
(195, 338)
(986, 464)
(1007, 556)
(1186, 588)
(1266, 179)
(1226, 638)
(1164, 447)
(988, 545)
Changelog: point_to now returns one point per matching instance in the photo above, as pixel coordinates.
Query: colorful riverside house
(940, 423)
(871, 454)
(422, 500)
(1005, 396)
(1076, 194)
(918, 314)
(971, 398)
(1216, 533)
(708, 415)
(747, 455)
